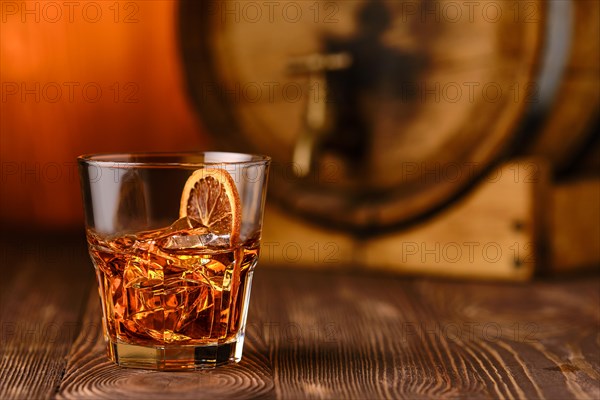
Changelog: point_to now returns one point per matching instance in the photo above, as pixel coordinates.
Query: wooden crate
(514, 224)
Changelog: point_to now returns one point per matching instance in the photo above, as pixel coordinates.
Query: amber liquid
(153, 295)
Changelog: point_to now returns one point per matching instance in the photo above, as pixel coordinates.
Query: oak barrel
(378, 113)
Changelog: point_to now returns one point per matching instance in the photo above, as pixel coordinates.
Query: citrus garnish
(210, 197)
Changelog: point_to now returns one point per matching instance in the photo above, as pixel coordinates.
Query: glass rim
(121, 160)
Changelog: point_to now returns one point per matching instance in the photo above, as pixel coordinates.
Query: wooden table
(311, 334)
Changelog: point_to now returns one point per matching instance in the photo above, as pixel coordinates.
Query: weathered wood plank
(44, 280)
(521, 335)
(313, 334)
(332, 335)
(397, 338)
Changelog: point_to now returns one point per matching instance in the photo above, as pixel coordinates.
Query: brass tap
(315, 117)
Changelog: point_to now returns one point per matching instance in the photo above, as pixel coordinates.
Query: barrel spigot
(316, 114)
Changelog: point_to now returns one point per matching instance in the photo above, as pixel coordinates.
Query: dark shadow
(377, 71)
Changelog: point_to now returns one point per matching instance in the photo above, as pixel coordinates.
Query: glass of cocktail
(174, 239)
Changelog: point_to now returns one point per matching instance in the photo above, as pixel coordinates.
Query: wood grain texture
(313, 334)
(333, 335)
(44, 281)
(384, 337)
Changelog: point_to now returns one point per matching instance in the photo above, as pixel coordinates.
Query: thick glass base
(175, 358)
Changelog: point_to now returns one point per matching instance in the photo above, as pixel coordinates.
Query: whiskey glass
(174, 239)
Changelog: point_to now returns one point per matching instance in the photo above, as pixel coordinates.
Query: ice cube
(145, 264)
(187, 233)
(183, 227)
(214, 240)
(196, 240)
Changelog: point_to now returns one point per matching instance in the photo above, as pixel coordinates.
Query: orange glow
(90, 77)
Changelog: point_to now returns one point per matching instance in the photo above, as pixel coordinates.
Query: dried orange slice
(210, 197)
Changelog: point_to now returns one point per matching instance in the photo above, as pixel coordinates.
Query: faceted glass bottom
(175, 358)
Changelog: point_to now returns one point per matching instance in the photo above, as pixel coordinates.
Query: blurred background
(95, 77)
(361, 104)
